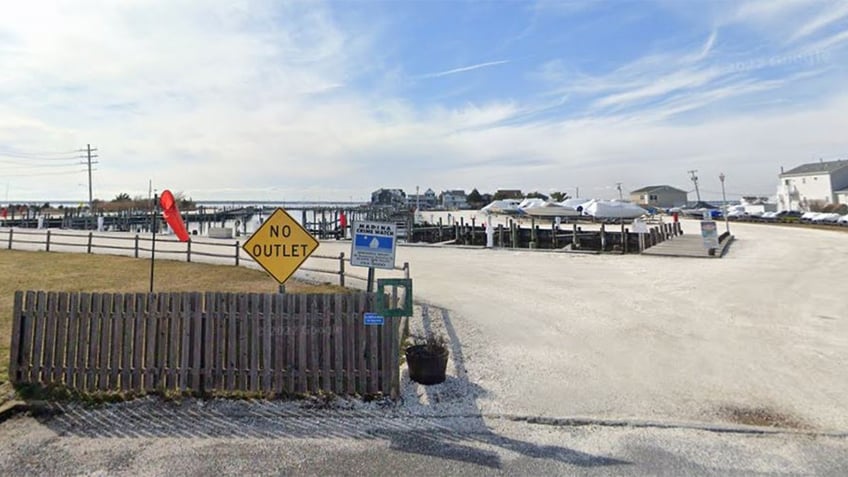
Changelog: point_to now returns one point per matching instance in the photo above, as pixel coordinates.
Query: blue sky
(331, 100)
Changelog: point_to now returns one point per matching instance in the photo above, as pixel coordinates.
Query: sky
(274, 100)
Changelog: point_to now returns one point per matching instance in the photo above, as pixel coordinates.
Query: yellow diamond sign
(280, 245)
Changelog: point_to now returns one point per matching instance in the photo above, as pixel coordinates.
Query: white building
(454, 199)
(813, 185)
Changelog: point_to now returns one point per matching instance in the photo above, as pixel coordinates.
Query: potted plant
(427, 359)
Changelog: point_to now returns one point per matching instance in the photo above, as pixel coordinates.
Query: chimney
(781, 169)
(821, 161)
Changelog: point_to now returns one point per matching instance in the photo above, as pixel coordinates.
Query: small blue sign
(373, 319)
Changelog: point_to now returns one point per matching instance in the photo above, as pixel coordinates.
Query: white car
(826, 218)
(809, 215)
(843, 220)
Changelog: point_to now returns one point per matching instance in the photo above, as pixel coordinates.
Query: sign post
(280, 246)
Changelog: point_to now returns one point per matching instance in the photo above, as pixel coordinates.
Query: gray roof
(821, 167)
(656, 187)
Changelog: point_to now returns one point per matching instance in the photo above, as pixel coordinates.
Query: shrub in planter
(427, 359)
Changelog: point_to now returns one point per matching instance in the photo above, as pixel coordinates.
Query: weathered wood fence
(204, 343)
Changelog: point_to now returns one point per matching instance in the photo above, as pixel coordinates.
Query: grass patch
(52, 271)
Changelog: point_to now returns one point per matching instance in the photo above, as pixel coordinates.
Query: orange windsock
(172, 215)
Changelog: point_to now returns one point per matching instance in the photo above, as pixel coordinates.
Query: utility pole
(695, 180)
(721, 177)
(618, 186)
(89, 156)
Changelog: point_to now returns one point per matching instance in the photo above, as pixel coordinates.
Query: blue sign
(375, 242)
(373, 319)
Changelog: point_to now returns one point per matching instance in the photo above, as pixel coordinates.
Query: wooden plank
(94, 342)
(73, 340)
(338, 342)
(150, 339)
(174, 335)
(309, 322)
(28, 325)
(220, 341)
(255, 347)
(128, 326)
(105, 342)
(326, 339)
(385, 348)
(139, 343)
(302, 365)
(47, 362)
(38, 337)
(212, 379)
(279, 341)
(154, 311)
(232, 336)
(209, 324)
(291, 333)
(83, 348)
(395, 357)
(361, 345)
(267, 344)
(198, 332)
(350, 343)
(373, 348)
(183, 342)
(17, 328)
(59, 362)
(118, 317)
(163, 332)
(243, 342)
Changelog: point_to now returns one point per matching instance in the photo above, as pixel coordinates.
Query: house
(502, 194)
(390, 197)
(454, 199)
(813, 185)
(662, 196)
(426, 201)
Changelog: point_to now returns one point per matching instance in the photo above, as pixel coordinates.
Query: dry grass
(101, 273)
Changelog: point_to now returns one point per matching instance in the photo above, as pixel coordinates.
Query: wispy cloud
(831, 13)
(464, 69)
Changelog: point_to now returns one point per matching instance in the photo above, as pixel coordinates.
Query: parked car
(826, 218)
(785, 214)
(843, 220)
(809, 216)
(769, 216)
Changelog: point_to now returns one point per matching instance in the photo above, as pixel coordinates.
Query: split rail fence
(140, 246)
(204, 343)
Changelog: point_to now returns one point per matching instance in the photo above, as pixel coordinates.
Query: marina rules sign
(280, 245)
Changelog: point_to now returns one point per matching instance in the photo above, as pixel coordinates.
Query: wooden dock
(689, 246)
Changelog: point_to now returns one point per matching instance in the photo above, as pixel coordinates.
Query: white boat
(607, 209)
(550, 209)
(506, 206)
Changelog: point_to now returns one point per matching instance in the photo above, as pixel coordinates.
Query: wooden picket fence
(204, 342)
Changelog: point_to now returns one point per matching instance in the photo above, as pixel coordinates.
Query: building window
(803, 180)
(786, 182)
(652, 197)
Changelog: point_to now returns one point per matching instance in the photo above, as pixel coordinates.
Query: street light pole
(721, 177)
